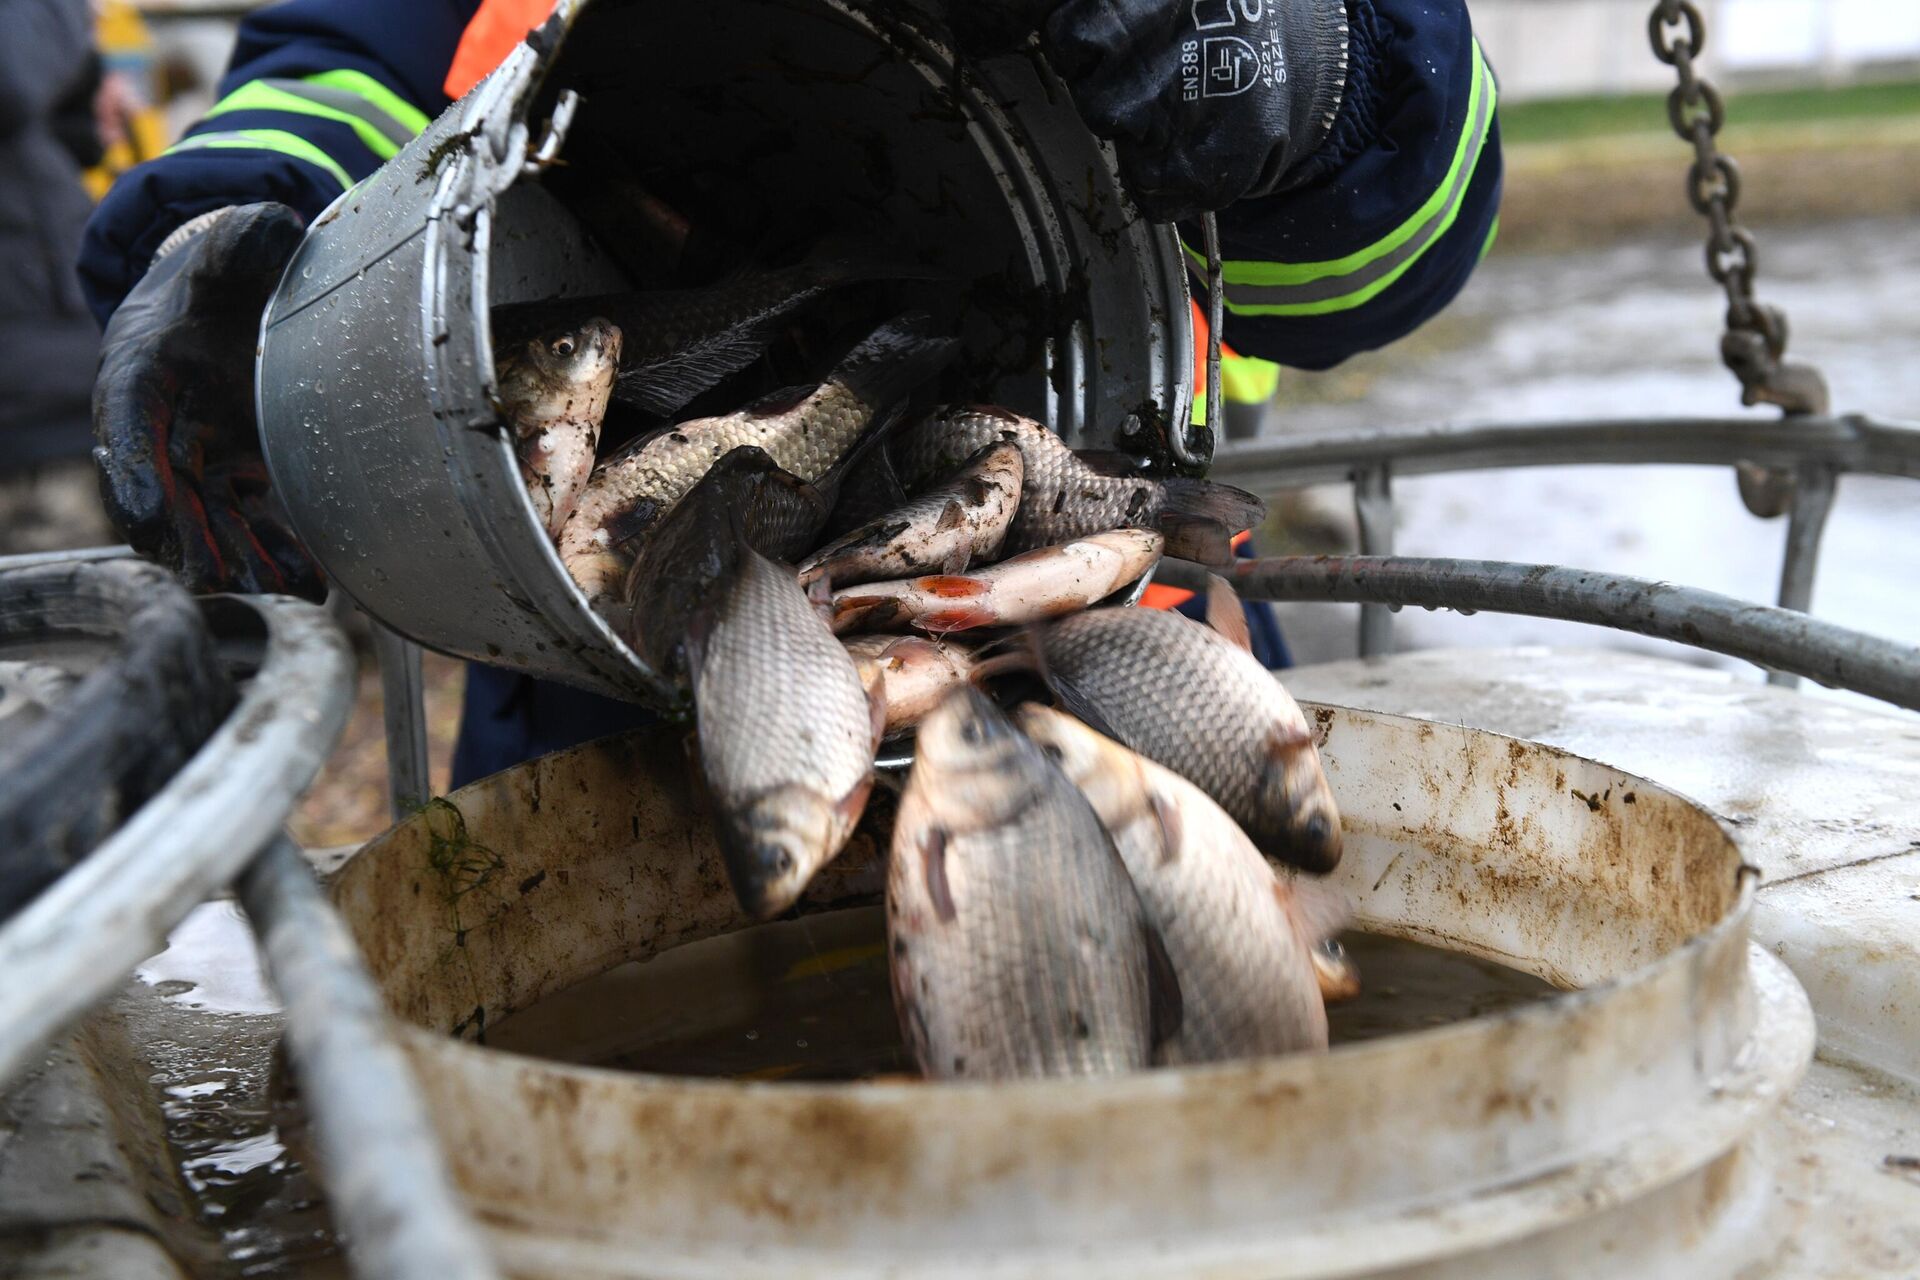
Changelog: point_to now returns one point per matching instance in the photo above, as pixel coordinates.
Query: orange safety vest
(496, 26)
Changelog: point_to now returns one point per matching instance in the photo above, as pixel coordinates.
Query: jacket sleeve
(318, 95)
(1382, 226)
(43, 48)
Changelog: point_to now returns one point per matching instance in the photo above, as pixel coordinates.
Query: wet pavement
(1633, 330)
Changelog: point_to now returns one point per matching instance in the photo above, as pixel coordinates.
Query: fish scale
(1240, 936)
(785, 730)
(1181, 694)
(1017, 943)
(1065, 496)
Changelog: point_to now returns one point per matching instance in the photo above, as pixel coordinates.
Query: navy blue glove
(1205, 101)
(176, 442)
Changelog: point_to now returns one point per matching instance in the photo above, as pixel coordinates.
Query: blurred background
(1593, 303)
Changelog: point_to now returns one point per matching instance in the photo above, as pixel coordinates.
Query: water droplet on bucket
(753, 1035)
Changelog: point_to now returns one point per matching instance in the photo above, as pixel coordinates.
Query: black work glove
(1205, 101)
(177, 445)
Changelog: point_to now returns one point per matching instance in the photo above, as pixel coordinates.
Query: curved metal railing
(1815, 450)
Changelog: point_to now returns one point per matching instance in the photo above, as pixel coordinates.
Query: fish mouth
(1314, 840)
(601, 338)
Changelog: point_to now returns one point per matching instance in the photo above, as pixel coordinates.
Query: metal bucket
(1607, 1131)
(377, 393)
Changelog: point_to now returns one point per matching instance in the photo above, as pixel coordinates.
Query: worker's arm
(180, 259)
(1380, 227)
(319, 93)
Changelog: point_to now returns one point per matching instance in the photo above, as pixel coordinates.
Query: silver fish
(917, 672)
(1191, 698)
(1018, 946)
(1069, 495)
(554, 390)
(787, 732)
(960, 522)
(681, 561)
(1242, 938)
(806, 431)
(1045, 583)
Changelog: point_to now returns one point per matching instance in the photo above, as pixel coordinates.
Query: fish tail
(886, 366)
(1320, 908)
(1200, 518)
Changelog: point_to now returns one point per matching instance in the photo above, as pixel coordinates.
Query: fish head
(773, 844)
(1107, 773)
(965, 733)
(563, 373)
(1334, 970)
(1293, 789)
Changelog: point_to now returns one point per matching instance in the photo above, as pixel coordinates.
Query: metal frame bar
(1815, 450)
(387, 1181)
(403, 695)
(75, 943)
(1779, 639)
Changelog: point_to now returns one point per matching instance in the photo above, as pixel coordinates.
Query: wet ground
(1633, 330)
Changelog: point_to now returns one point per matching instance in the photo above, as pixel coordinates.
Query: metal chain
(1756, 337)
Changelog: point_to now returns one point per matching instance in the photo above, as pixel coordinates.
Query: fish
(683, 341)
(1067, 495)
(1192, 697)
(1017, 946)
(917, 672)
(807, 431)
(1242, 937)
(554, 388)
(787, 729)
(945, 529)
(1039, 584)
(1338, 976)
(680, 563)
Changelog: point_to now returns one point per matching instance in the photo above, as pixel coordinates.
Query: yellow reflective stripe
(1248, 379)
(410, 117)
(279, 140)
(286, 95)
(1493, 233)
(1300, 289)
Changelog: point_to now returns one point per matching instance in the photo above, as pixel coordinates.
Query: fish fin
(952, 516)
(1075, 703)
(962, 618)
(1200, 518)
(1015, 654)
(624, 526)
(851, 613)
(1110, 463)
(1224, 613)
(702, 799)
(884, 367)
(957, 560)
(876, 687)
(933, 863)
(1167, 816)
(839, 260)
(1165, 1002)
(1320, 908)
(853, 804)
(820, 596)
(1284, 741)
(664, 386)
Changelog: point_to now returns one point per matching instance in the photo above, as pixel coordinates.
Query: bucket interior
(775, 129)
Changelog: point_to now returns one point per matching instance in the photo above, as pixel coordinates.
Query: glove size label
(1236, 46)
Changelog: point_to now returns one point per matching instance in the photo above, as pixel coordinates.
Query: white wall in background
(1557, 48)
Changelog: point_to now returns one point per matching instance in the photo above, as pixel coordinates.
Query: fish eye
(563, 347)
(973, 731)
(1332, 949)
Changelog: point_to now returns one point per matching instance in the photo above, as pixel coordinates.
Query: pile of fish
(1086, 890)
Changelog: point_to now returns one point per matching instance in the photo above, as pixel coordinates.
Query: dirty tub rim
(1627, 1085)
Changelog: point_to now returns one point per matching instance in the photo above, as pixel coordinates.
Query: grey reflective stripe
(350, 103)
(1331, 288)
